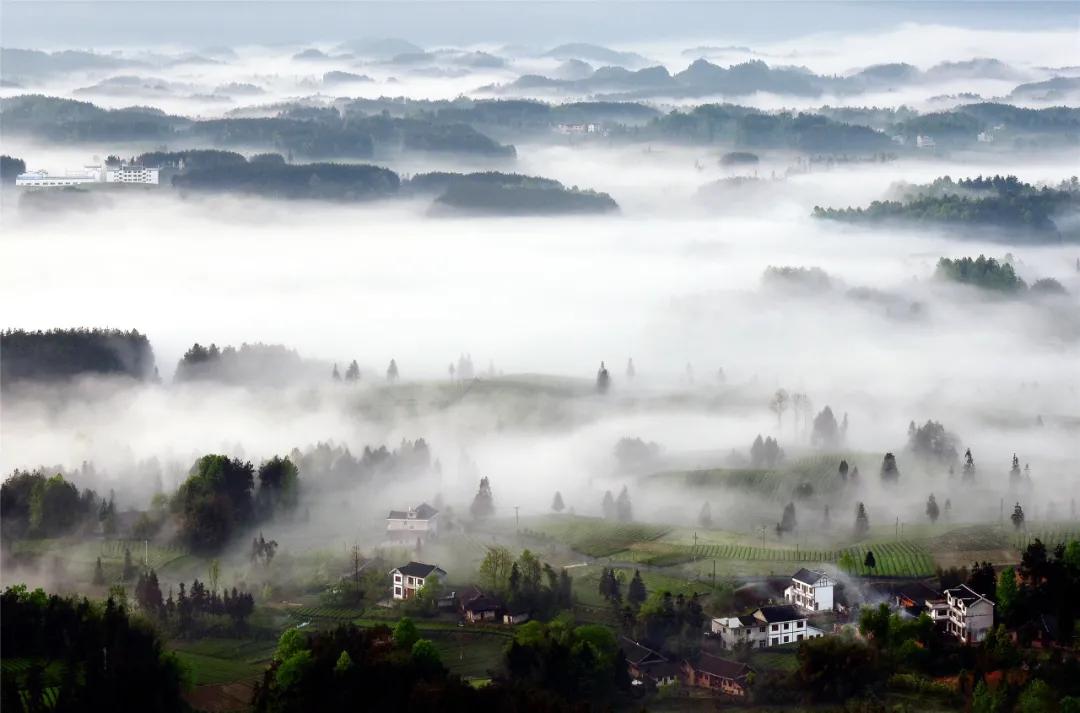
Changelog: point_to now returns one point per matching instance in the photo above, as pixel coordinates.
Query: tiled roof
(721, 667)
(636, 653)
(808, 576)
(782, 612)
(419, 569)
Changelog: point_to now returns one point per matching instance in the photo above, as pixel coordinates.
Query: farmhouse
(481, 608)
(646, 665)
(409, 579)
(766, 626)
(408, 526)
(917, 598)
(811, 590)
(717, 674)
(971, 614)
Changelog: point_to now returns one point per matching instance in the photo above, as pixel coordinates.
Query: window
(761, 630)
(786, 639)
(786, 626)
(776, 627)
(761, 644)
(800, 624)
(799, 637)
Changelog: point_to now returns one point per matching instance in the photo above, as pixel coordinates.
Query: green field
(470, 655)
(211, 661)
(595, 536)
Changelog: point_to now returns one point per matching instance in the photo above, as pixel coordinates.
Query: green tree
(1007, 594)
(290, 642)
(426, 655)
(870, 562)
(344, 664)
(405, 633)
(495, 567)
(932, 510)
(1017, 517)
(987, 700)
(557, 504)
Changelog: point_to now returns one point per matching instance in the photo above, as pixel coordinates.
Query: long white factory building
(118, 173)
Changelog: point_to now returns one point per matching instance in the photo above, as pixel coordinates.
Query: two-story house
(971, 614)
(767, 626)
(408, 526)
(811, 590)
(410, 578)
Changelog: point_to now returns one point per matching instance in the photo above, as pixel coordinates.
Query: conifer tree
(932, 511)
(862, 521)
(557, 504)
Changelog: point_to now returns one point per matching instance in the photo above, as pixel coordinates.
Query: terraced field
(893, 559)
(597, 537)
(215, 661)
(310, 613)
(1051, 535)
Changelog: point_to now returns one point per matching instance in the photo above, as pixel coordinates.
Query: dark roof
(423, 511)
(637, 654)
(964, 593)
(721, 667)
(660, 669)
(919, 592)
(418, 569)
(780, 612)
(747, 620)
(807, 576)
(481, 604)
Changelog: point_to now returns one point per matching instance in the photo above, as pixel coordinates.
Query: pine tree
(603, 379)
(483, 505)
(1017, 517)
(787, 522)
(705, 516)
(862, 521)
(392, 371)
(353, 372)
(608, 506)
(636, 594)
(336, 374)
(932, 511)
(890, 473)
(1014, 472)
(969, 466)
(129, 567)
(870, 562)
(631, 372)
(843, 470)
(623, 510)
(557, 504)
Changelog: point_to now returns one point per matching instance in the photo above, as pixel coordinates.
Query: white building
(971, 614)
(42, 179)
(407, 526)
(811, 590)
(409, 579)
(925, 142)
(129, 173)
(767, 626)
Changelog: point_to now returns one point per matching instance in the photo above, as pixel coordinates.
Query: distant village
(112, 171)
(815, 604)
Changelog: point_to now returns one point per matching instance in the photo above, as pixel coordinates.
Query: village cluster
(815, 604)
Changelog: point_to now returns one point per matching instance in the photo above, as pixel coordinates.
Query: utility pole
(146, 553)
(517, 520)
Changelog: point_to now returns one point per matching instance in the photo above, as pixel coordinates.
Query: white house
(811, 590)
(408, 579)
(406, 526)
(767, 626)
(925, 142)
(971, 614)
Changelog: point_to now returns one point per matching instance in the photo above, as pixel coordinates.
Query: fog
(673, 280)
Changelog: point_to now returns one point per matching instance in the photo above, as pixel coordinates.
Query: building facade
(408, 526)
(42, 179)
(971, 614)
(410, 578)
(128, 173)
(811, 590)
(766, 626)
